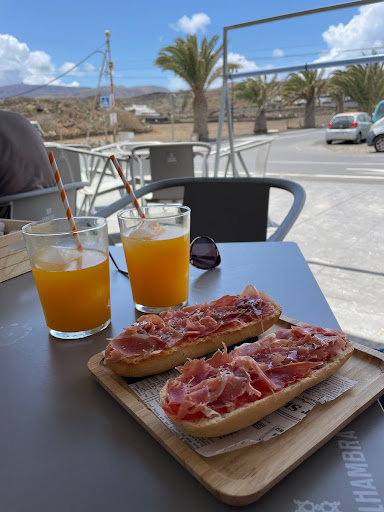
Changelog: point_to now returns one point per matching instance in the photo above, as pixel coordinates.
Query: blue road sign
(104, 102)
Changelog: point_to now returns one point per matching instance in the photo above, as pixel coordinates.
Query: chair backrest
(40, 204)
(228, 209)
(169, 161)
(250, 157)
(67, 161)
(224, 210)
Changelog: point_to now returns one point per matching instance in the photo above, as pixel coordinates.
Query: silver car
(352, 126)
(375, 135)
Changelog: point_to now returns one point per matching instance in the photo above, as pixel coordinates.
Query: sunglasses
(203, 254)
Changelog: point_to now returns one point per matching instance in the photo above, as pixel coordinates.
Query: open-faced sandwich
(155, 343)
(231, 391)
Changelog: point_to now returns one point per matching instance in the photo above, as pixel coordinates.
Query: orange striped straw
(127, 186)
(64, 198)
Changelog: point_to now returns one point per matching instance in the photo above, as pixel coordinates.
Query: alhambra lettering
(364, 489)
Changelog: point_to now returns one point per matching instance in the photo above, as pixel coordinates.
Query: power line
(321, 53)
(145, 69)
(57, 78)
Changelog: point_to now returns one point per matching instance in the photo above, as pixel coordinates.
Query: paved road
(304, 153)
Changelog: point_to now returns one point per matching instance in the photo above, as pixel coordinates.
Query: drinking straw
(64, 199)
(127, 186)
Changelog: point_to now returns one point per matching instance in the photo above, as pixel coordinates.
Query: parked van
(379, 112)
(375, 135)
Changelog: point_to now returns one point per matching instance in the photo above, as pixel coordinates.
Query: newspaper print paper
(270, 426)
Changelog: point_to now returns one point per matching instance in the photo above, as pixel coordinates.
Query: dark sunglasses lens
(204, 253)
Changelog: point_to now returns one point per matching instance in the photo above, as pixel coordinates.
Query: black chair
(227, 209)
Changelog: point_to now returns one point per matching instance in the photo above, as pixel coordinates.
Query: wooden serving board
(238, 478)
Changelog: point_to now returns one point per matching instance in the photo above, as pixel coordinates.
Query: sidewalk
(340, 232)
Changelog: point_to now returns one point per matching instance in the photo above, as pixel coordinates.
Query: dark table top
(66, 444)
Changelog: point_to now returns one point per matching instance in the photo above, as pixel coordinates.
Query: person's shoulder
(13, 116)
(14, 126)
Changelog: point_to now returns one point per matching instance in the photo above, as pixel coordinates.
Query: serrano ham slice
(253, 380)
(155, 343)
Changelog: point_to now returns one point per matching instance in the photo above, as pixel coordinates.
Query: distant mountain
(55, 91)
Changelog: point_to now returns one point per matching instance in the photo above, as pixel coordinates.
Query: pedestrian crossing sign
(105, 102)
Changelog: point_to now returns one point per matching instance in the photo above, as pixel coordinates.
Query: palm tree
(337, 94)
(259, 92)
(363, 83)
(198, 67)
(305, 85)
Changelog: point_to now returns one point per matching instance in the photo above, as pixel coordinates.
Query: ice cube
(146, 230)
(56, 256)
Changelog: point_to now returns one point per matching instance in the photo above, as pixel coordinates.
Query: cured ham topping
(151, 333)
(250, 372)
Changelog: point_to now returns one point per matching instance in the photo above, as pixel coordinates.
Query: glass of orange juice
(73, 283)
(157, 253)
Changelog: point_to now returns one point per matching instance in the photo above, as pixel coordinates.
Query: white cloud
(192, 25)
(245, 64)
(364, 30)
(277, 53)
(88, 67)
(235, 58)
(175, 83)
(18, 64)
(85, 69)
(66, 67)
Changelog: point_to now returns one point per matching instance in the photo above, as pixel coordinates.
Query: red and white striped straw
(127, 186)
(64, 199)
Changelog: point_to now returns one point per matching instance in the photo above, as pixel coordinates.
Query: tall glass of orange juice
(157, 253)
(73, 283)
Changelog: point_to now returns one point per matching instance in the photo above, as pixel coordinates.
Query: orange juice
(158, 265)
(73, 287)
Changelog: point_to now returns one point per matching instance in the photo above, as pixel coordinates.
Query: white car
(375, 135)
(352, 126)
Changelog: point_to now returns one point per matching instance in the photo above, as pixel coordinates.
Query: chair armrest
(41, 191)
(298, 203)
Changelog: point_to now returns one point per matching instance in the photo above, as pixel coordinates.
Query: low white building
(143, 111)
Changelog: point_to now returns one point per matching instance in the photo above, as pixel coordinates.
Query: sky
(41, 40)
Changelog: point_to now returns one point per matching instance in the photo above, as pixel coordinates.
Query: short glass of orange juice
(157, 253)
(72, 282)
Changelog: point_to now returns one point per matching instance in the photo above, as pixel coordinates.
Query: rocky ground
(70, 119)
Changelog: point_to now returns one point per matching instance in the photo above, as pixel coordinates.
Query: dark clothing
(24, 163)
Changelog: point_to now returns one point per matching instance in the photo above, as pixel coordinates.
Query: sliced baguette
(249, 414)
(160, 361)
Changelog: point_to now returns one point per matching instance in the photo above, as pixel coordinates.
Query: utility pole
(108, 70)
(110, 67)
